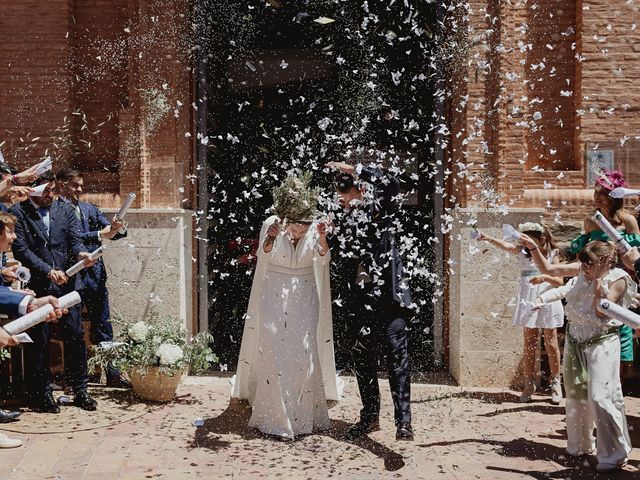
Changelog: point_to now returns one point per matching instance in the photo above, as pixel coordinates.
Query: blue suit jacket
(41, 252)
(93, 220)
(10, 301)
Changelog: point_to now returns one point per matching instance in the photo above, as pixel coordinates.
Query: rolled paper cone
(126, 206)
(29, 320)
(44, 166)
(70, 300)
(23, 274)
(612, 232)
(71, 271)
(622, 192)
(39, 190)
(624, 315)
(24, 338)
(509, 233)
(96, 254)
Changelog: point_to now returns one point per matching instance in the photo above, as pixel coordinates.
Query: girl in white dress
(592, 357)
(548, 318)
(286, 367)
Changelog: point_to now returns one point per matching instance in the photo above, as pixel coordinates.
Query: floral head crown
(609, 179)
(530, 227)
(294, 200)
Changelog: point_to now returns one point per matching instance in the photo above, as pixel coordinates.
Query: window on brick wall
(550, 90)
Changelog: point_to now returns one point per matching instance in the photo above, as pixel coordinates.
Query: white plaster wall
(484, 348)
(153, 265)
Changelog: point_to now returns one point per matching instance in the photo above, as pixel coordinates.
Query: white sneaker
(6, 442)
(556, 391)
(610, 467)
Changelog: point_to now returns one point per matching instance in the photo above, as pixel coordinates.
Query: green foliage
(160, 341)
(294, 200)
(5, 354)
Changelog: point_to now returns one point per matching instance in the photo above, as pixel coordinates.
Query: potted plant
(155, 353)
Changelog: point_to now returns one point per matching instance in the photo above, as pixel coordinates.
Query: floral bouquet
(159, 342)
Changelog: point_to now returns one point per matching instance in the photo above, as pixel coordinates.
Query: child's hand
(527, 241)
(538, 279)
(602, 268)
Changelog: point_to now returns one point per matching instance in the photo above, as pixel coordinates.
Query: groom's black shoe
(84, 401)
(404, 432)
(360, 429)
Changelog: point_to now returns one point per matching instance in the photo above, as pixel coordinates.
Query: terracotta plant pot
(154, 386)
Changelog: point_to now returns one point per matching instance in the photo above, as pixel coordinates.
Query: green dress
(625, 332)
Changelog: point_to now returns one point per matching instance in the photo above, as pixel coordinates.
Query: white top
(580, 295)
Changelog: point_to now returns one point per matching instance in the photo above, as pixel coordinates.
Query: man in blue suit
(48, 242)
(378, 298)
(92, 282)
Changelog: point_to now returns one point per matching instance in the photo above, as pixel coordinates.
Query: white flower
(169, 354)
(138, 331)
(530, 227)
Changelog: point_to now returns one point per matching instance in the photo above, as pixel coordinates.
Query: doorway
(296, 84)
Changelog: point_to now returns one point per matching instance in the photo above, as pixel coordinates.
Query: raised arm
(499, 243)
(546, 267)
(556, 294)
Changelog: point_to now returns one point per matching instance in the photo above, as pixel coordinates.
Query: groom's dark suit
(378, 295)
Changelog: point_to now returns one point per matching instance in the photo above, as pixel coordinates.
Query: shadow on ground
(574, 468)
(234, 421)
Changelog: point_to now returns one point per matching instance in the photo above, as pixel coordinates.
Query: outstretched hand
(527, 241)
(537, 280)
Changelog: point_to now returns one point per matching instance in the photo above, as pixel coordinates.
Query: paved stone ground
(460, 434)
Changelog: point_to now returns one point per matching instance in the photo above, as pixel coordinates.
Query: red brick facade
(576, 63)
(105, 86)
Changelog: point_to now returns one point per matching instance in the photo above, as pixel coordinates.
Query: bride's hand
(274, 229)
(324, 228)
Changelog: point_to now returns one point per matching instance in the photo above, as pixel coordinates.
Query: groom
(377, 306)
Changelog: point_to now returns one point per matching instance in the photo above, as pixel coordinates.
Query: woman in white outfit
(592, 358)
(286, 367)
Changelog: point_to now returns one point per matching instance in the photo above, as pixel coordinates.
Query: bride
(286, 367)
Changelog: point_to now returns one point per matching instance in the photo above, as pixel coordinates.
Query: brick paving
(460, 434)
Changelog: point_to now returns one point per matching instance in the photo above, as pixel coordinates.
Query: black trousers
(378, 327)
(38, 371)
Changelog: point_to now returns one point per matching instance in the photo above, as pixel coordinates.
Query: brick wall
(106, 87)
(577, 64)
(34, 77)
(99, 85)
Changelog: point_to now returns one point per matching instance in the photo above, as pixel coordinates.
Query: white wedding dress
(286, 368)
